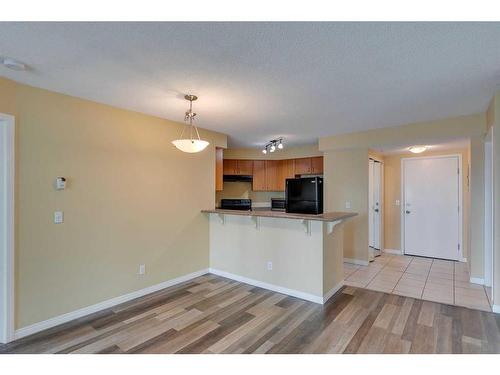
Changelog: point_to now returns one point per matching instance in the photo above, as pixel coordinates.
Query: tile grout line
(454, 284)
(404, 271)
(427, 278)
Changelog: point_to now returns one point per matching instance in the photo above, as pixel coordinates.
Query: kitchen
(269, 228)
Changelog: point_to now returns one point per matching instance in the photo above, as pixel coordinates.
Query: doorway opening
(6, 228)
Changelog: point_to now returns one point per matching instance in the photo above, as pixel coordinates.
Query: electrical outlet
(58, 217)
(347, 204)
(269, 266)
(142, 269)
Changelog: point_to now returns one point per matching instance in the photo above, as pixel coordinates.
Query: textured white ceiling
(257, 81)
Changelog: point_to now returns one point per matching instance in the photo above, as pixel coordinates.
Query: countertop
(266, 212)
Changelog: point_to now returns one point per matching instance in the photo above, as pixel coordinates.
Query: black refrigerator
(304, 195)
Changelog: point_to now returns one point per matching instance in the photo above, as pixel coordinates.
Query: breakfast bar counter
(300, 255)
(266, 212)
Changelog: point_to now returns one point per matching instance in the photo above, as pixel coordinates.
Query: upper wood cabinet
(273, 175)
(218, 169)
(245, 167)
(317, 165)
(312, 165)
(259, 176)
(286, 170)
(238, 167)
(303, 166)
(270, 175)
(230, 166)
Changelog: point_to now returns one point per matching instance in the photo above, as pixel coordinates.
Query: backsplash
(244, 190)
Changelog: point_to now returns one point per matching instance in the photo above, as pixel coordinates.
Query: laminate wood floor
(211, 314)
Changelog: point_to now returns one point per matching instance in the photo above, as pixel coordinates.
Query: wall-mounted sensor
(60, 183)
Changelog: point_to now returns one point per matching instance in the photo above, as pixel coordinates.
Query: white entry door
(431, 207)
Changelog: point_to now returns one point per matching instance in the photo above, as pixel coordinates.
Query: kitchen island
(296, 254)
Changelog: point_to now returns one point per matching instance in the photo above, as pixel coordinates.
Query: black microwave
(278, 204)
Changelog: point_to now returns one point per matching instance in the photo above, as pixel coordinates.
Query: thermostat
(60, 183)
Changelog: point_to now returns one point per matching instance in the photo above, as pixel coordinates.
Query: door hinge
(458, 247)
(458, 170)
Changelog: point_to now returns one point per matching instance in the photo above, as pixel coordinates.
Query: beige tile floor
(428, 279)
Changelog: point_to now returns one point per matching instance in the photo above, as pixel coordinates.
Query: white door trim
(7, 229)
(460, 200)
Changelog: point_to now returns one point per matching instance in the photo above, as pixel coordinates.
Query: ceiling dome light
(264, 151)
(280, 145)
(13, 64)
(417, 149)
(191, 144)
(272, 148)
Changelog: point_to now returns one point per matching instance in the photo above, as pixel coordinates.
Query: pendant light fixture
(193, 143)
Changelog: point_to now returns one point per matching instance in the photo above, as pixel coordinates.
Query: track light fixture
(272, 145)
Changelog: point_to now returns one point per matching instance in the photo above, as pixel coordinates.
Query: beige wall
(132, 199)
(346, 179)
(392, 192)
(357, 144)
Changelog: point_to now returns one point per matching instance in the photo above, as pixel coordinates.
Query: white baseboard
(495, 309)
(393, 251)
(332, 291)
(356, 261)
(64, 318)
(274, 288)
(477, 280)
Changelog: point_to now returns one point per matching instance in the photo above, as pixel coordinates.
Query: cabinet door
(218, 169)
(303, 166)
(259, 175)
(273, 175)
(286, 170)
(230, 166)
(317, 165)
(245, 167)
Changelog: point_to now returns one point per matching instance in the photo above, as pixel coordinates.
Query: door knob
(376, 210)
(408, 211)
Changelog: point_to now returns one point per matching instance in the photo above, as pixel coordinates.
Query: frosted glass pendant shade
(190, 145)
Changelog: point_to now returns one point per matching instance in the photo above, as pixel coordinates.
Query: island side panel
(239, 248)
(333, 259)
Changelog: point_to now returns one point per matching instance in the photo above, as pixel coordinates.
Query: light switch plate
(347, 204)
(58, 217)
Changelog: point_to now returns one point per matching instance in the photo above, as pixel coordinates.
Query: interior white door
(431, 204)
(377, 207)
(370, 204)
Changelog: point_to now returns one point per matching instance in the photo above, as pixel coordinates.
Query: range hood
(237, 178)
